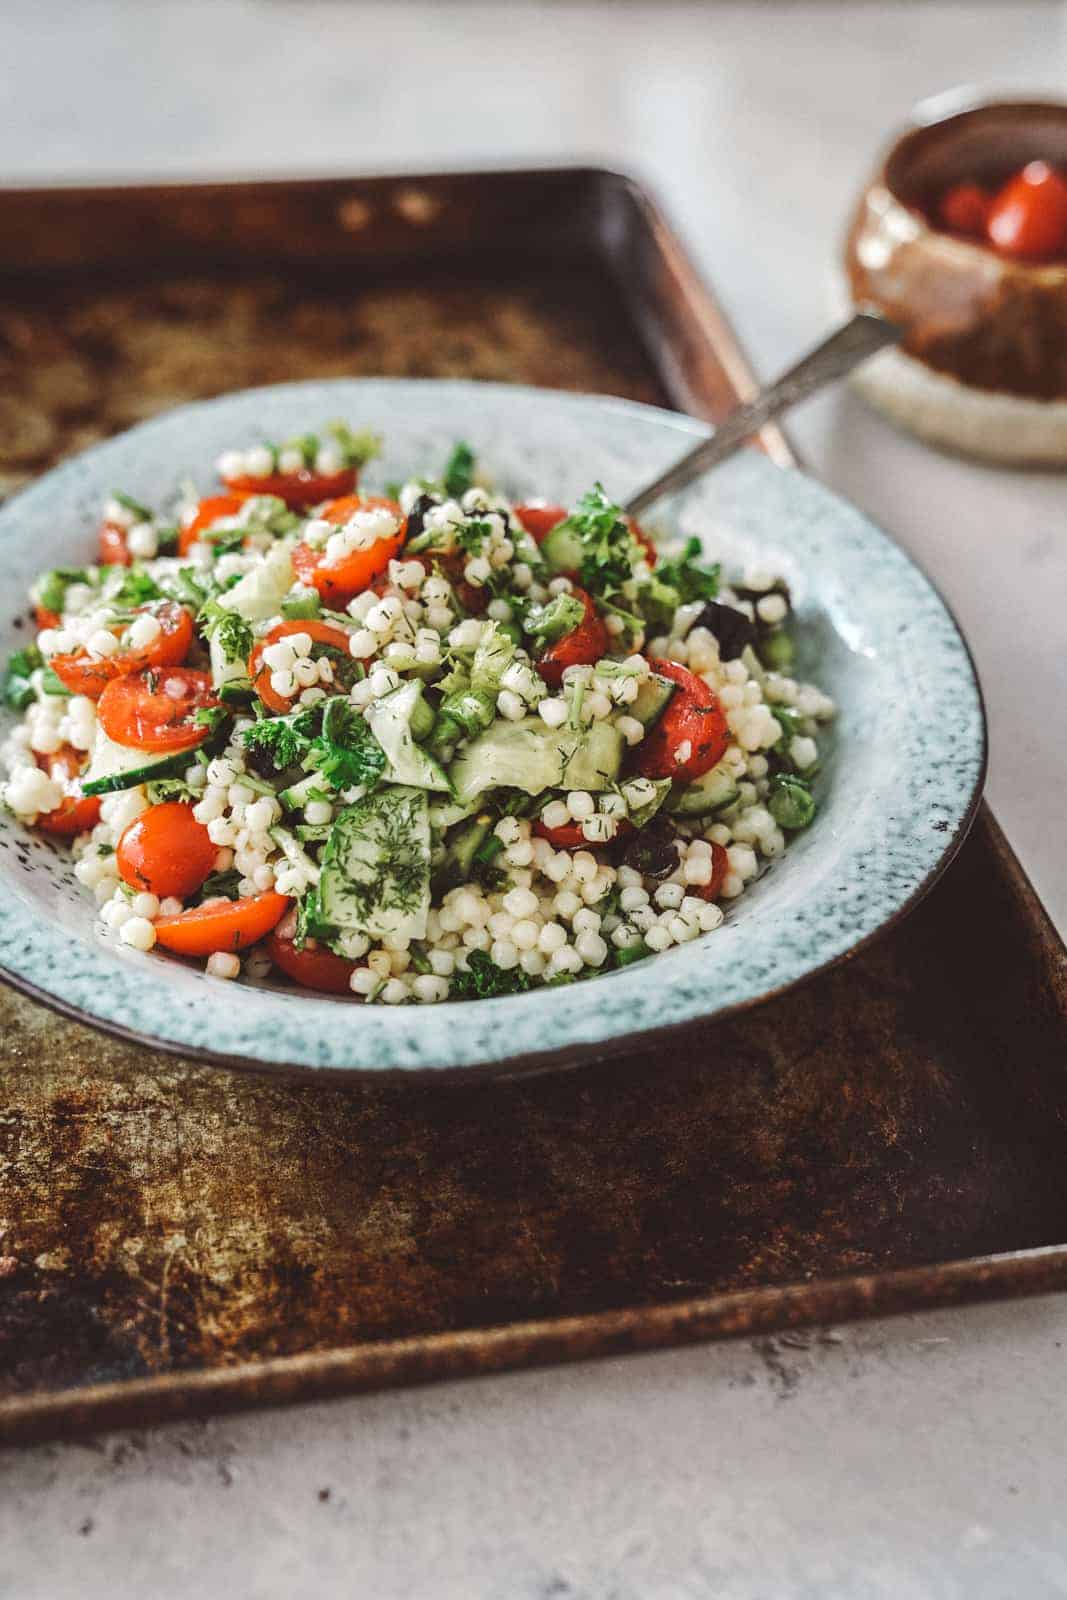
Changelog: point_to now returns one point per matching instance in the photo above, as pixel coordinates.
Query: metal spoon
(836, 356)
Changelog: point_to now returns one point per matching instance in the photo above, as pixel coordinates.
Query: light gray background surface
(904, 1459)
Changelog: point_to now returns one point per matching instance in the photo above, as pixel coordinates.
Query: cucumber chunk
(116, 766)
(652, 699)
(714, 791)
(562, 549)
(393, 720)
(530, 756)
(375, 874)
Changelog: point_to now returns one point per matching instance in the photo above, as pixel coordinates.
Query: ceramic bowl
(983, 364)
(898, 789)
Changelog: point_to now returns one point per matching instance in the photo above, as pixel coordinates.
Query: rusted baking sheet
(178, 1239)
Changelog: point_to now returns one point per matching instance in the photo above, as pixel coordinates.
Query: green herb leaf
(136, 589)
(690, 577)
(483, 979)
(211, 716)
(284, 739)
(218, 884)
(50, 590)
(346, 753)
(609, 549)
(141, 512)
(228, 629)
(458, 475)
(357, 448)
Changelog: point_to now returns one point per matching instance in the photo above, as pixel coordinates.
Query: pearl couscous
(412, 747)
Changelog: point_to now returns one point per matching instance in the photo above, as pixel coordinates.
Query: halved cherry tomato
(693, 718)
(155, 709)
(114, 551)
(314, 966)
(76, 812)
(45, 618)
(220, 925)
(303, 488)
(540, 520)
(209, 511)
(259, 672)
(719, 866)
(965, 209)
(1028, 218)
(83, 674)
(581, 647)
(569, 835)
(166, 851)
(339, 581)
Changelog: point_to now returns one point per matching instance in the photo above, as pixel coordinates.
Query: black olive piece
(653, 850)
(417, 514)
(731, 628)
(261, 761)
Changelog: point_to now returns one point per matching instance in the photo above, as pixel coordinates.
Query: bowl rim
(939, 116)
(566, 1053)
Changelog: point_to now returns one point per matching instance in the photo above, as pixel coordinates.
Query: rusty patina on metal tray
(180, 1239)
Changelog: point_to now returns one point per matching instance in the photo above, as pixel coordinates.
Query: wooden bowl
(983, 364)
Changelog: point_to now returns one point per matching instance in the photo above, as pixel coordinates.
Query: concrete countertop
(909, 1458)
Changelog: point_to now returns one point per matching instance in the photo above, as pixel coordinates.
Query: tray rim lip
(565, 1055)
(532, 1342)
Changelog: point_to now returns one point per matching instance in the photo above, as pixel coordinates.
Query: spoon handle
(836, 356)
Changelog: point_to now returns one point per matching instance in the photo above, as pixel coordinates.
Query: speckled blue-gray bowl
(898, 789)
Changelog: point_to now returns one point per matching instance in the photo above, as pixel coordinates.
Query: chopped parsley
(225, 884)
(332, 740)
(50, 591)
(346, 753)
(484, 980)
(458, 475)
(690, 579)
(211, 716)
(136, 589)
(283, 739)
(228, 629)
(609, 549)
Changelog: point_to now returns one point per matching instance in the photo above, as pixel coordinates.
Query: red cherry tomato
(114, 551)
(303, 488)
(320, 632)
(166, 851)
(84, 675)
(581, 647)
(45, 618)
(221, 925)
(339, 581)
(569, 835)
(1028, 218)
(720, 864)
(156, 709)
(208, 512)
(76, 813)
(965, 209)
(540, 520)
(693, 718)
(315, 967)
